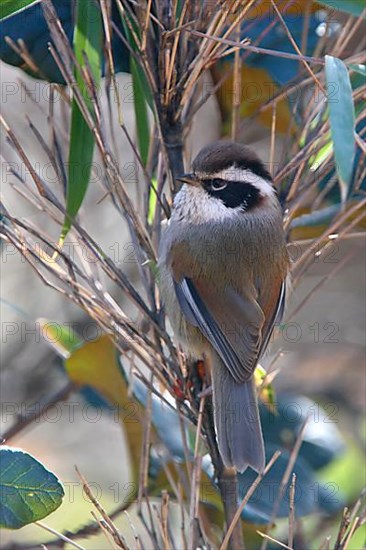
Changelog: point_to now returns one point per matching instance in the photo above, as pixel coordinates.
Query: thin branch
(236, 91)
(117, 537)
(286, 476)
(291, 518)
(60, 536)
(246, 498)
(297, 49)
(255, 49)
(23, 422)
(271, 539)
(194, 531)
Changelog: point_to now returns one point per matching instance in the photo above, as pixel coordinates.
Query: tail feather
(237, 423)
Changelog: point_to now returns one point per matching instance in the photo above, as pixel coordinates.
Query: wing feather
(232, 323)
(278, 312)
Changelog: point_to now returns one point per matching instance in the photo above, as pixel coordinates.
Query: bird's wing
(231, 322)
(276, 317)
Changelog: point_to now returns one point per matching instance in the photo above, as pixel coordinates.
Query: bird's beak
(190, 179)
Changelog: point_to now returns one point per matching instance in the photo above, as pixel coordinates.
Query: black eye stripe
(233, 193)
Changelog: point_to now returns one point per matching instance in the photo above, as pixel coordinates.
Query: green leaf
(152, 200)
(141, 114)
(353, 7)
(342, 120)
(267, 394)
(11, 7)
(318, 217)
(88, 35)
(142, 95)
(29, 492)
(361, 69)
(61, 336)
(321, 156)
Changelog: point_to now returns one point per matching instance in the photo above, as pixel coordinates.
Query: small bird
(222, 267)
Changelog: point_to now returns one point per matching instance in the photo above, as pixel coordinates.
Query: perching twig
(246, 498)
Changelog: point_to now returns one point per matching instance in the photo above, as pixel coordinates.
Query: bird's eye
(217, 184)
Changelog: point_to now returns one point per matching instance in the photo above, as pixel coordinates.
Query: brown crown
(220, 155)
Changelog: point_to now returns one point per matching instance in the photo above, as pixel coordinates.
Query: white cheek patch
(193, 204)
(244, 175)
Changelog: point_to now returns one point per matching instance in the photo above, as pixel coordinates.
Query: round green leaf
(28, 491)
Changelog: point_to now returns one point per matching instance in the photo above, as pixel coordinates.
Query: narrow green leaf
(152, 200)
(318, 217)
(360, 69)
(141, 96)
(267, 394)
(60, 336)
(353, 7)
(357, 81)
(11, 7)
(141, 114)
(342, 120)
(29, 492)
(88, 35)
(81, 150)
(322, 155)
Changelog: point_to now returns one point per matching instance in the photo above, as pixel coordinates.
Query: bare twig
(246, 498)
(271, 539)
(117, 537)
(296, 47)
(286, 476)
(23, 422)
(255, 49)
(291, 518)
(194, 531)
(59, 535)
(236, 91)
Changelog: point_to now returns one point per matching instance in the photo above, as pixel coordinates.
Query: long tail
(237, 423)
